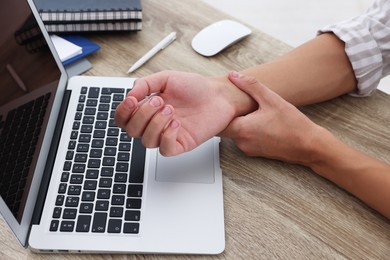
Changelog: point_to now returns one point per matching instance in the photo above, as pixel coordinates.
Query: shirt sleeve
(367, 44)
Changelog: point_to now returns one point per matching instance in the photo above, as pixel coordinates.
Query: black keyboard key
(101, 205)
(82, 148)
(76, 125)
(114, 226)
(118, 200)
(109, 91)
(81, 157)
(54, 225)
(134, 190)
(108, 161)
(131, 228)
(62, 188)
(99, 134)
(90, 111)
(57, 212)
(111, 141)
(69, 155)
(74, 190)
(120, 177)
(113, 132)
(107, 171)
(105, 183)
(90, 185)
(60, 200)
(67, 166)
(72, 201)
(88, 196)
(125, 138)
(69, 214)
(85, 138)
(102, 116)
(124, 167)
(110, 151)
(83, 223)
(96, 153)
(65, 176)
(88, 120)
(116, 212)
(119, 189)
(118, 97)
(92, 103)
(76, 178)
(72, 145)
(99, 222)
(67, 226)
(125, 147)
(82, 98)
(137, 162)
(105, 99)
(97, 143)
(93, 92)
(94, 163)
(92, 174)
(78, 168)
(101, 125)
(132, 215)
(133, 203)
(86, 207)
(104, 194)
(123, 157)
(86, 129)
(104, 107)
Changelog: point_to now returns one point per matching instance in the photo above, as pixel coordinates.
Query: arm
(301, 76)
(280, 131)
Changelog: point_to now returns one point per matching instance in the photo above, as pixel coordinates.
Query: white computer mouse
(218, 36)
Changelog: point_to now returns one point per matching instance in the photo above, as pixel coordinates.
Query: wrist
(240, 102)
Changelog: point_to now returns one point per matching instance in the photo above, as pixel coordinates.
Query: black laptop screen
(28, 79)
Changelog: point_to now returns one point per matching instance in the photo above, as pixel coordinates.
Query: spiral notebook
(90, 15)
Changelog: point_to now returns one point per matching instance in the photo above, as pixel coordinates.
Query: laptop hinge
(50, 159)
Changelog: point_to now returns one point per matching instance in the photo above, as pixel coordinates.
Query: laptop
(71, 181)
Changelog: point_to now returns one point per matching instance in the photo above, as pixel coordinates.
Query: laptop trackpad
(196, 166)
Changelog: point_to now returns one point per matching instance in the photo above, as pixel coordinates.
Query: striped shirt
(367, 44)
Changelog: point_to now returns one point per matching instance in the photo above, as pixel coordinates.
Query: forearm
(361, 175)
(313, 72)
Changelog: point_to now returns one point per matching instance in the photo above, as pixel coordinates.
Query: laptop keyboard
(102, 179)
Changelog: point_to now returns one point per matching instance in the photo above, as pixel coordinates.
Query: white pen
(161, 45)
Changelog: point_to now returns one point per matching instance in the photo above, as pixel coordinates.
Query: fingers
(169, 145)
(150, 84)
(125, 110)
(156, 127)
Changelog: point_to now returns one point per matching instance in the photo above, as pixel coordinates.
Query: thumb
(250, 85)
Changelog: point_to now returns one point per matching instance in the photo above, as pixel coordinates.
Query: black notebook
(88, 10)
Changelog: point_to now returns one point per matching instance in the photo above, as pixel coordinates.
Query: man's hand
(186, 110)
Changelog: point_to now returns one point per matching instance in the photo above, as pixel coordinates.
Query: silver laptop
(71, 181)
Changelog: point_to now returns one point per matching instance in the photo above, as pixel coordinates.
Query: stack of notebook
(90, 15)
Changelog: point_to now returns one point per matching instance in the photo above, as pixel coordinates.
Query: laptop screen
(29, 78)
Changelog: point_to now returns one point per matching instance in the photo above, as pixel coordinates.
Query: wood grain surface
(273, 210)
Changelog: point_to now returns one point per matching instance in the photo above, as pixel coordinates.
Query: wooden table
(272, 209)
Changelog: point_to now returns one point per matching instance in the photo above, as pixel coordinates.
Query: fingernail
(166, 111)
(174, 124)
(129, 103)
(155, 102)
(235, 74)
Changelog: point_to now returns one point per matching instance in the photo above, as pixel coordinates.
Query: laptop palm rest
(196, 166)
